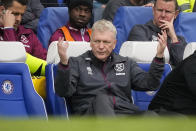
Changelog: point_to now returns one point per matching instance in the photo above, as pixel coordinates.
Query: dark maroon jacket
(30, 41)
(75, 33)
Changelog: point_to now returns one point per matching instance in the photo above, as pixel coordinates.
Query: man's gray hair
(103, 25)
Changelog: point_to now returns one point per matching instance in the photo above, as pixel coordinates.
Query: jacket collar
(74, 29)
(22, 30)
(153, 27)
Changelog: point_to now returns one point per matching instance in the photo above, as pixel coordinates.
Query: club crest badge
(7, 87)
(24, 39)
(119, 68)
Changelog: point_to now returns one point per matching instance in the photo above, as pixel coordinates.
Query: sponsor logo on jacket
(89, 70)
(154, 38)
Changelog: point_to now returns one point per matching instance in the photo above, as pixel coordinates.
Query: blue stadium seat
(18, 97)
(50, 20)
(56, 106)
(143, 98)
(185, 26)
(127, 16)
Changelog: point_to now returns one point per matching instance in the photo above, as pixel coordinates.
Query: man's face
(80, 16)
(102, 44)
(18, 11)
(164, 11)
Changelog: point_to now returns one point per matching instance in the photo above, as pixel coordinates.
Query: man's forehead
(170, 3)
(83, 6)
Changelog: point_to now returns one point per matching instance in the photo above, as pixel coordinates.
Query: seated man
(11, 12)
(177, 94)
(80, 12)
(99, 82)
(32, 14)
(164, 11)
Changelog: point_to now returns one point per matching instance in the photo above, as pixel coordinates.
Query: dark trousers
(108, 105)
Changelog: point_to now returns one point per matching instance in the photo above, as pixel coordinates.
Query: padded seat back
(50, 20)
(189, 49)
(17, 95)
(75, 48)
(12, 51)
(141, 51)
(125, 18)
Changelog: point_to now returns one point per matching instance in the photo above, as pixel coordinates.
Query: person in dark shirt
(32, 14)
(165, 12)
(177, 95)
(99, 82)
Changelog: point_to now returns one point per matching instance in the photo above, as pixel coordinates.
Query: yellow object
(36, 65)
(39, 83)
(37, 70)
(186, 5)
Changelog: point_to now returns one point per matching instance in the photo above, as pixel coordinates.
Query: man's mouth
(81, 21)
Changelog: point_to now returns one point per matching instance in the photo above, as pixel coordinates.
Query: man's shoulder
(58, 31)
(83, 56)
(141, 27)
(23, 30)
(118, 58)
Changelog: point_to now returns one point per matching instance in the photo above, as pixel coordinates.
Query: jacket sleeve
(38, 50)
(176, 51)
(145, 81)
(55, 36)
(138, 33)
(66, 79)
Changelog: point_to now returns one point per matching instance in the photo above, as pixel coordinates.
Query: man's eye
(15, 14)
(87, 10)
(106, 42)
(97, 41)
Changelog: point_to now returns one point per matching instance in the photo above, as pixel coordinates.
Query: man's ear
(114, 45)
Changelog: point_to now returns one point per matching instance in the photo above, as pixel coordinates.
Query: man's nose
(18, 17)
(101, 44)
(163, 13)
(82, 13)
